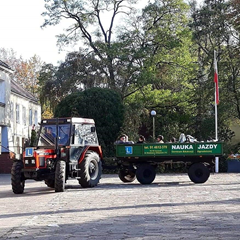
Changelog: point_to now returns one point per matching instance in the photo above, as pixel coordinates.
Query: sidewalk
(170, 208)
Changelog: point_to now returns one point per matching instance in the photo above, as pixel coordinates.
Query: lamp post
(153, 114)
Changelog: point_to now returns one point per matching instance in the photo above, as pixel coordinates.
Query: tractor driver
(50, 135)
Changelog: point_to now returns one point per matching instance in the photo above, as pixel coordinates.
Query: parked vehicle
(66, 148)
(140, 160)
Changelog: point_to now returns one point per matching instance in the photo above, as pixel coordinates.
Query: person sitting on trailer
(173, 140)
(160, 139)
(123, 139)
(141, 139)
(182, 138)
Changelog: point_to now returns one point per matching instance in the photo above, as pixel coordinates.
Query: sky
(20, 30)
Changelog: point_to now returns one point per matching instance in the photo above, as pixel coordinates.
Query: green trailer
(140, 160)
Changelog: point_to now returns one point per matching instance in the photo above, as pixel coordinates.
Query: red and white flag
(216, 80)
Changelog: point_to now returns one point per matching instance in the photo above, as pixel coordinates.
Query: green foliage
(103, 105)
(233, 14)
(48, 88)
(161, 59)
(212, 31)
(164, 81)
(88, 25)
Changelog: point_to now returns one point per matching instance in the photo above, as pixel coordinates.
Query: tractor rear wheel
(145, 173)
(198, 173)
(60, 176)
(127, 175)
(17, 177)
(90, 170)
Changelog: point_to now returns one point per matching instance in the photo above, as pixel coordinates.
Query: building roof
(4, 66)
(19, 90)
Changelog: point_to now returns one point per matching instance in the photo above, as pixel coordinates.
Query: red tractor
(66, 148)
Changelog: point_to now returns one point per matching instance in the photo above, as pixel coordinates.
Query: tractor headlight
(30, 162)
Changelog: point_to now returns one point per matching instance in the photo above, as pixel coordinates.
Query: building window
(11, 111)
(24, 116)
(2, 91)
(17, 113)
(35, 118)
(30, 117)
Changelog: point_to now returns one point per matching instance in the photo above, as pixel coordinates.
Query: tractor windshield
(48, 135)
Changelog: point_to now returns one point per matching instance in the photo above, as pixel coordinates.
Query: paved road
(170, 208)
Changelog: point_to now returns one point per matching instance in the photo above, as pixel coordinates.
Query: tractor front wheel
(17, 177)
(90, 170)
(60, 176)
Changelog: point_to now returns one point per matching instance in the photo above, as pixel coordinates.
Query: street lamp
(153, 114)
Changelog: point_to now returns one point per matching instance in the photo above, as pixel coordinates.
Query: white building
(19, 111)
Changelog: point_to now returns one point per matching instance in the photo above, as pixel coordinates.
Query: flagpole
(216, 113)
(216, 135)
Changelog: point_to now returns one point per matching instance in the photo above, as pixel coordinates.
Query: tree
(152, 65)
(167, 66)
(103, 105)
(48, 87)
(88, 25)
(120, 58)
(9, 56)
(26, 72)
(212, 31)
(234, 13)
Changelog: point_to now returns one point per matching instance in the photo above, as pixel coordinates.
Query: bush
(104, 106)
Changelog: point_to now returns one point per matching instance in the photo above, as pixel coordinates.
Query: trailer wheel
(17, 177)
(50, 183)
(60, 176)
(145, 173)
(90, 170)
(198, 173)
(127, 175)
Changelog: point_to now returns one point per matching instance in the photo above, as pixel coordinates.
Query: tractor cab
(66, 132)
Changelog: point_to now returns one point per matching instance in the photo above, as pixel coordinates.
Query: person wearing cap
(122, 139)
(160, 139)
(141, 139)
